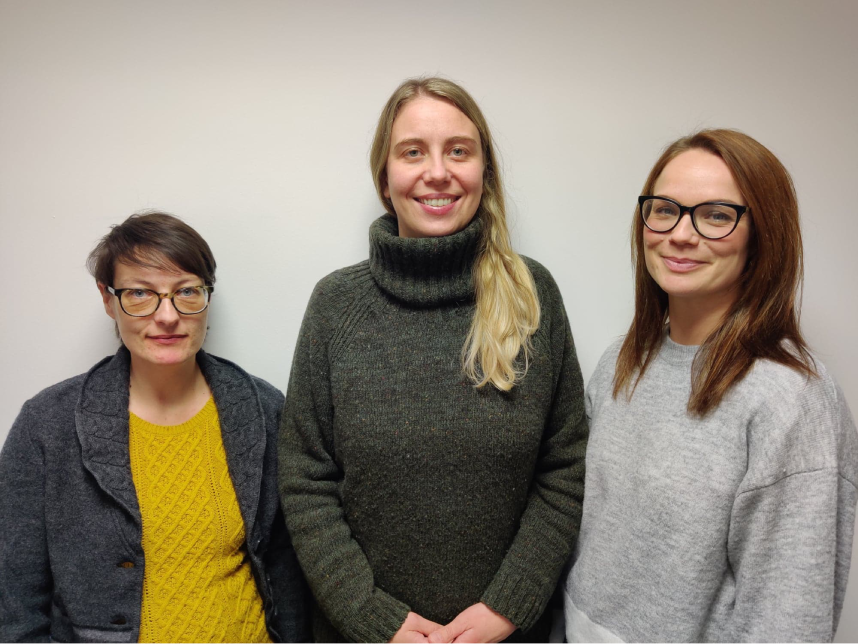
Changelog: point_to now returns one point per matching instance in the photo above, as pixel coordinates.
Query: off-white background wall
(252, 120)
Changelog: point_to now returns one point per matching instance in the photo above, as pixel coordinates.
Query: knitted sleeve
(334, 563)
(26, 584)
(549, 526)
(791, 526)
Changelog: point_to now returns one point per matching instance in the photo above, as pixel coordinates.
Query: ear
(386, 191)
(106, 297)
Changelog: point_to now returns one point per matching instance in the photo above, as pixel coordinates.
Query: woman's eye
(458, 152)
(412, 154)
(188, 291)
(139, 293)
(720, 217)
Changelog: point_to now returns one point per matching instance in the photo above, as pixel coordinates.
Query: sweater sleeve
(26, 584)
(336, 567)
(790, 539)
(549, 525)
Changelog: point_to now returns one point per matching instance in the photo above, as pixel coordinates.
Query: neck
(162, 393)
(692, 321)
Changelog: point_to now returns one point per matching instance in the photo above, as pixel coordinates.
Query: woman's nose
(684, 232)
(437, 171)
(166, 313)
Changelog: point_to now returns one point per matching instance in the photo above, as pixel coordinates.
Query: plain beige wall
(252, 120)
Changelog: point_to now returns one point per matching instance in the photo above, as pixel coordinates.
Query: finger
(468, 637)
(449, 632)
(425, 626)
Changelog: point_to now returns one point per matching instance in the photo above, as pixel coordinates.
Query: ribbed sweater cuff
(378, 619)
(516, 598)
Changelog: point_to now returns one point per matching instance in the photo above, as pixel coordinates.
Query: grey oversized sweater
(734, 527)
(404, 487)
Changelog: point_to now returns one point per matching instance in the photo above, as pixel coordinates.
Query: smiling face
(434, 168)
(684, 264)
(166, 337)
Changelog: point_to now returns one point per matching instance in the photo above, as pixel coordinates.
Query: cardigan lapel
(101, 419)
(242, 425)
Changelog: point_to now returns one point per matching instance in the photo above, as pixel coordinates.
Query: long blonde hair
(764, 315)
(507, 305)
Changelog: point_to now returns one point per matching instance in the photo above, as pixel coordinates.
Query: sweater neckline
(209, 410)
(424, 272)
(676, 353)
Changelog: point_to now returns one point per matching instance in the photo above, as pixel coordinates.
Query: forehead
(695, 176)
(155, 270)
(427, 116)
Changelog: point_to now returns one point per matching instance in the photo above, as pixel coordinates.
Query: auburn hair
(507, 306)
(763, 321)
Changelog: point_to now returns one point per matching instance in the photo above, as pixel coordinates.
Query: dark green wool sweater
(404, 486)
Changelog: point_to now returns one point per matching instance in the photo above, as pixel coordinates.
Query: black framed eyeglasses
(711, 219)
(140, 302)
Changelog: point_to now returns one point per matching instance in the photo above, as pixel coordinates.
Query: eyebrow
(148, 285)
(728, 202)
(417, 141)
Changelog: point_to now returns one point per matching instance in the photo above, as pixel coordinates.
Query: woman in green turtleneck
(433, 438)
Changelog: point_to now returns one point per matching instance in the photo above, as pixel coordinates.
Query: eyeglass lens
(711, 220)
(141, 301)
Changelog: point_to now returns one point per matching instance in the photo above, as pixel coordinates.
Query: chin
(440, 228)
(168, 358)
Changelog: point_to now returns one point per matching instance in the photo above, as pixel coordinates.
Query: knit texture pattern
(406, 488)
(733, 527)
(198, 585)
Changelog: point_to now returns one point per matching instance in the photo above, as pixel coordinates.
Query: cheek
(201, 327)
(734, 254)
(651, 241)
(473, 181)
(126, 328)
(399, 182)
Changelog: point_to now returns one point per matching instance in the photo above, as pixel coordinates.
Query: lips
(167, 338)
(681, 264)
(437, 203)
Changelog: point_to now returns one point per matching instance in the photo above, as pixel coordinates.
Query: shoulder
(102, 376)
(229, 373)
(54, 407)
(542, 277)
(550, 299)
(346, 283)
(787, 392)
(339, 301)
(603, 376)
(54, 402)
(800, 423)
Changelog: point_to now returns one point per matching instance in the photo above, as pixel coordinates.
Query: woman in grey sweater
(723, 460)
(433, 435)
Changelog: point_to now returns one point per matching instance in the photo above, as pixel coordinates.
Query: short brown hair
(763, 322)
(155, 240)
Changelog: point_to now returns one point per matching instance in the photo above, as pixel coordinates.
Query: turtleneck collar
(423, 272)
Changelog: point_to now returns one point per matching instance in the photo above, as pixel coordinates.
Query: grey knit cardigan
(71, 560)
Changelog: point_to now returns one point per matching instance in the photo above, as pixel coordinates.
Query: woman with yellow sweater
(138, 501)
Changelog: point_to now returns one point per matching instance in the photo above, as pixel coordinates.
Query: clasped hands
(477, 623)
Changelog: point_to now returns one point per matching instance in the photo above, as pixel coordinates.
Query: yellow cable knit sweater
(198, 585)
